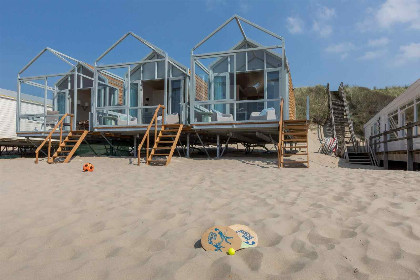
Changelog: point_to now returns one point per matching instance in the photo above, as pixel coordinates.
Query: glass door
(221, 91)
(272, 81)
(176, 96)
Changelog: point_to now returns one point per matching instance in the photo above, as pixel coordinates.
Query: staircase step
(71, 140)
(170, 142)
(296, 140)
(157, 161)
(295, 161)
(296, 133)
(171, 125)
(160, 154)
(162, 148)
(172, 135)
(294, 127)
(295, 121)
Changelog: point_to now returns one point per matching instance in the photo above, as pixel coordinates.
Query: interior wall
(84, 96)
(153, 93)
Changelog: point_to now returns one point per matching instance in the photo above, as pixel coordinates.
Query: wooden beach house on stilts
(148, 100)
(237, 96)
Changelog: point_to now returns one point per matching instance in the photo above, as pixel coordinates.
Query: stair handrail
(146, 135)
(49, 137)
(280, 143)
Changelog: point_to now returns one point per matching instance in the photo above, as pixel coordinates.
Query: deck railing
(146, 137)
(233, 110)
(60, 125)
(374, 140)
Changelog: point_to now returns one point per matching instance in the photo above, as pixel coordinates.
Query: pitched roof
(25, 97)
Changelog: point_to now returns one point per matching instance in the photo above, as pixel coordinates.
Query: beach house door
(221, 92)
(176, 96)
(61, 102)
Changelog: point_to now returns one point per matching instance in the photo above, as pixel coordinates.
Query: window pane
(219, 87)
(273, 85)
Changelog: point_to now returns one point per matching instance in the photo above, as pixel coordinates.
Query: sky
(372, 43)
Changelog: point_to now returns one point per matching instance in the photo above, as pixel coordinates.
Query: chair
(220, 117)
(169, 119)
(265, 115)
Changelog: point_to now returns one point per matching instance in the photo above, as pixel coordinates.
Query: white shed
(32, 105)
(402, 110)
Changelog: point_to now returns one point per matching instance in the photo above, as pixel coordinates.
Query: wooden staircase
(68, 147)
(340, 120)
(165, 144)
(293, 140)
(165, 140)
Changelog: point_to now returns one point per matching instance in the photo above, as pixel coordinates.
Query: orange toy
(88, 167)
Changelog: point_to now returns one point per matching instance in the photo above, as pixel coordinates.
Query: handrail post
(147, 149)
(156, 129)
(280, 143)
(410, 161)
(61, 133)
(385, 151)
(163, 115)
(49, 148)
(71, 123)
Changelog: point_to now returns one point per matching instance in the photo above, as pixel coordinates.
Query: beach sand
(125, 221)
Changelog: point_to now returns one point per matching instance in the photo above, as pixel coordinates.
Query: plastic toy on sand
(88, 167)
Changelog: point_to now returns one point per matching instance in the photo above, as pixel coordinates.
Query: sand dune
(128, 222)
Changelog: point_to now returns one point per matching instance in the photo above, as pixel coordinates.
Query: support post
(18, 106)
(75, 98)
(135, 145)
(218, 146)
(307, 108)
(45, 103)
(386, 151)
(410, 161)
(188, 145)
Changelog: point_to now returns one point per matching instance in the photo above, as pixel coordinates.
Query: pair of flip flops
(221, 238)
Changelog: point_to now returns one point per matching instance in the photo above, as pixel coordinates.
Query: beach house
(396, 121)
(127, 103)
(240, 89)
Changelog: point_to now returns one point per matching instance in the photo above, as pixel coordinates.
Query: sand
(128, 222)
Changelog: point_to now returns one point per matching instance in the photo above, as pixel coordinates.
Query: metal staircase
(165, 141)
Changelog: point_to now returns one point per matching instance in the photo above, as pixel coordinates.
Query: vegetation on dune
(363, 102)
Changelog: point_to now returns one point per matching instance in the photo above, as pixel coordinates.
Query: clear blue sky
(359, 42)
